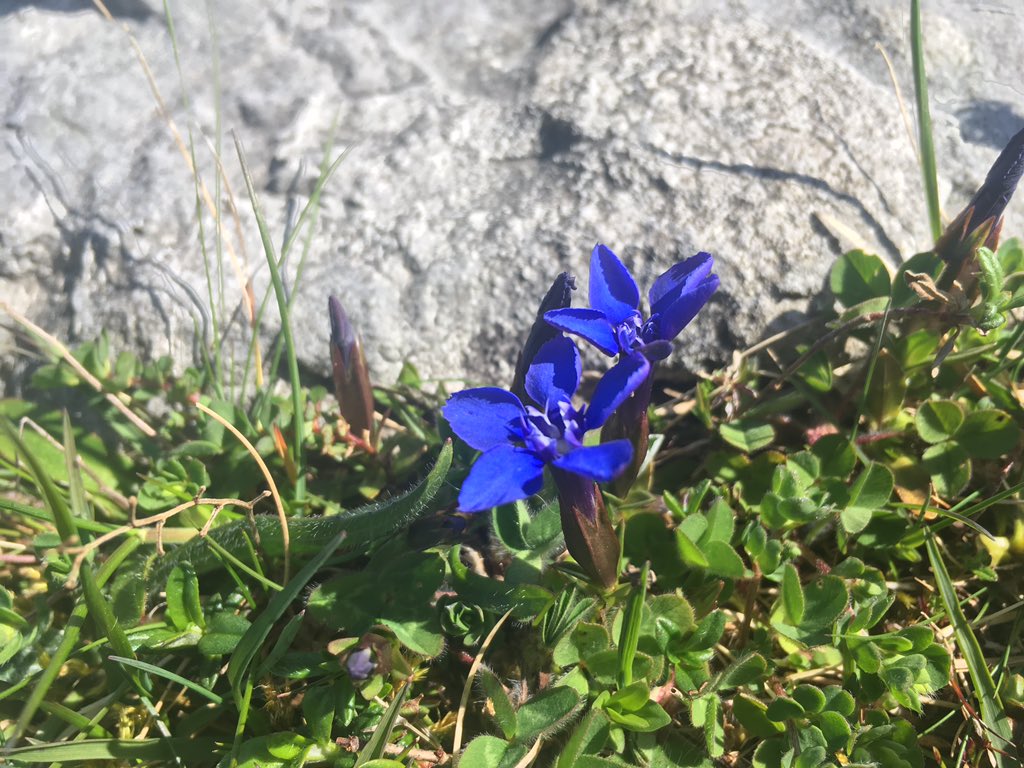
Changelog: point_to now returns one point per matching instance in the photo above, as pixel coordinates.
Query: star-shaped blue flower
(614, 324)
(519, 441)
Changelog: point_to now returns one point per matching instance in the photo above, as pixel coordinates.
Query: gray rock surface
(493, 144)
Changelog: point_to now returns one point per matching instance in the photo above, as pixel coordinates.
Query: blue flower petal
(503, 474)
(681, 278)
(612, 289)
(555, 373)
(601, 462)
(614, 387)
(482, 417)
(590, 324)
(677, 314)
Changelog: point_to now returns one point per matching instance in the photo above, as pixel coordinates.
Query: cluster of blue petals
(518, 441)
(613, 322)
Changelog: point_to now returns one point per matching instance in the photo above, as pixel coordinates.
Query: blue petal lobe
(555, 373)
(674, 317)
(505, 473)
(614, 387)
(602, 462)
(612, 289)
(482, 417)
(681, 278)
(590, 324)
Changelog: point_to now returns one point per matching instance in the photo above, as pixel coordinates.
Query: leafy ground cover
(808, 558)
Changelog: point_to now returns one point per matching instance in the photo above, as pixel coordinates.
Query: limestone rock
(492, 145)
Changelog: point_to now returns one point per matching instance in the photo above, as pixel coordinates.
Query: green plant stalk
(993, 714)
(298, 398)
(924, 121)
(629, 636)
(71, 634)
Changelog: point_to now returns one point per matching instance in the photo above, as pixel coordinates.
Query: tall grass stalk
(924, 121)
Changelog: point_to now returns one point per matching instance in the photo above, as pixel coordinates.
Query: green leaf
(988, 434)
(546, 713)
(223, 634)
(792, 595)
(706, 714)
(483, 752)
(752, 715)
(689, 552)
(784, 708)
(824, 600)
(816, 371)
(747, 436)
(672, 617)
(858, 276)
(744, 671)
(723, 560)
(870, 491)
(836, 730)
(993, 715)
(948, 466)
(938, 420)
(589, 737)
(318, 706)
(629, 636)
(374, 748)
(497, 702)
(809, 697)
(182, 590)
(836, 455)
(886, 390)
(162, 750)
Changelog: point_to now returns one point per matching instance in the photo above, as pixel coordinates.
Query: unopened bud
(351, 378)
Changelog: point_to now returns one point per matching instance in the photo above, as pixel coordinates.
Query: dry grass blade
(118, 401)
(457, 741)
(274, 493)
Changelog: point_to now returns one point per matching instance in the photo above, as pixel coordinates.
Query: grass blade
(924, 121)
(375, 746)
(153, 669)
(298, 399)
(993, 715)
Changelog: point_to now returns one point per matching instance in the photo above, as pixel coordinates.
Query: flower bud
(979, 224)
(589, 535)
(351, 378)
(559, 296)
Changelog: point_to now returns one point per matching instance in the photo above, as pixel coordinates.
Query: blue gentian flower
(518, 441)
(614, 324)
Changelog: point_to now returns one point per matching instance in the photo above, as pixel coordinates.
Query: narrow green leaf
(161, 672)
(792, 595)
(497, 701)
(997, 723)
(630, 635)
(924, 121)
(52, 497)
(159, 750)
(374, 748)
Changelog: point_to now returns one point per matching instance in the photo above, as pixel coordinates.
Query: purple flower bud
(981, 221)
(559, 296)
(589, 535)
(360, 664)
(351, 378)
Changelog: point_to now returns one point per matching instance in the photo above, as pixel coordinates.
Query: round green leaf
(938, 420)
(949, 467)
(988, 434)
(747, 436)
(858, 276)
